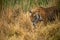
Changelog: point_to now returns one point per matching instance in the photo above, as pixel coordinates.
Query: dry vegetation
(16, 25)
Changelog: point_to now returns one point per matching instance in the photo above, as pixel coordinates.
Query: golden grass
(17, 26)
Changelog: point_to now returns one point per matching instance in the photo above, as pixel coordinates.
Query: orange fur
(46, 13)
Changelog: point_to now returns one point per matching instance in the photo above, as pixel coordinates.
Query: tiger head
(34, 15)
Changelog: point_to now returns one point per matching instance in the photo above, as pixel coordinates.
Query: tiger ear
(30, 12)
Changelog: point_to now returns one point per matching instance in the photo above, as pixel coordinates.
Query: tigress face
(37, 11)
(35, 17)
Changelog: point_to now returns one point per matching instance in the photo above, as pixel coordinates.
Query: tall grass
(28, 4)
(15, 24)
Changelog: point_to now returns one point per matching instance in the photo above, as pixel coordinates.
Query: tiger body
(46, 14)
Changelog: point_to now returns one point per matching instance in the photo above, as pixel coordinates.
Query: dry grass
(16, 25)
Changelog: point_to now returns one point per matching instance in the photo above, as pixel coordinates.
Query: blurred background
(15, 23)
(28, 4)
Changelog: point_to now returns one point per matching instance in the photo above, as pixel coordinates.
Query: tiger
(39, 14)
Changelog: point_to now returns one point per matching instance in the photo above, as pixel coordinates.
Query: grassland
(16, 25)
